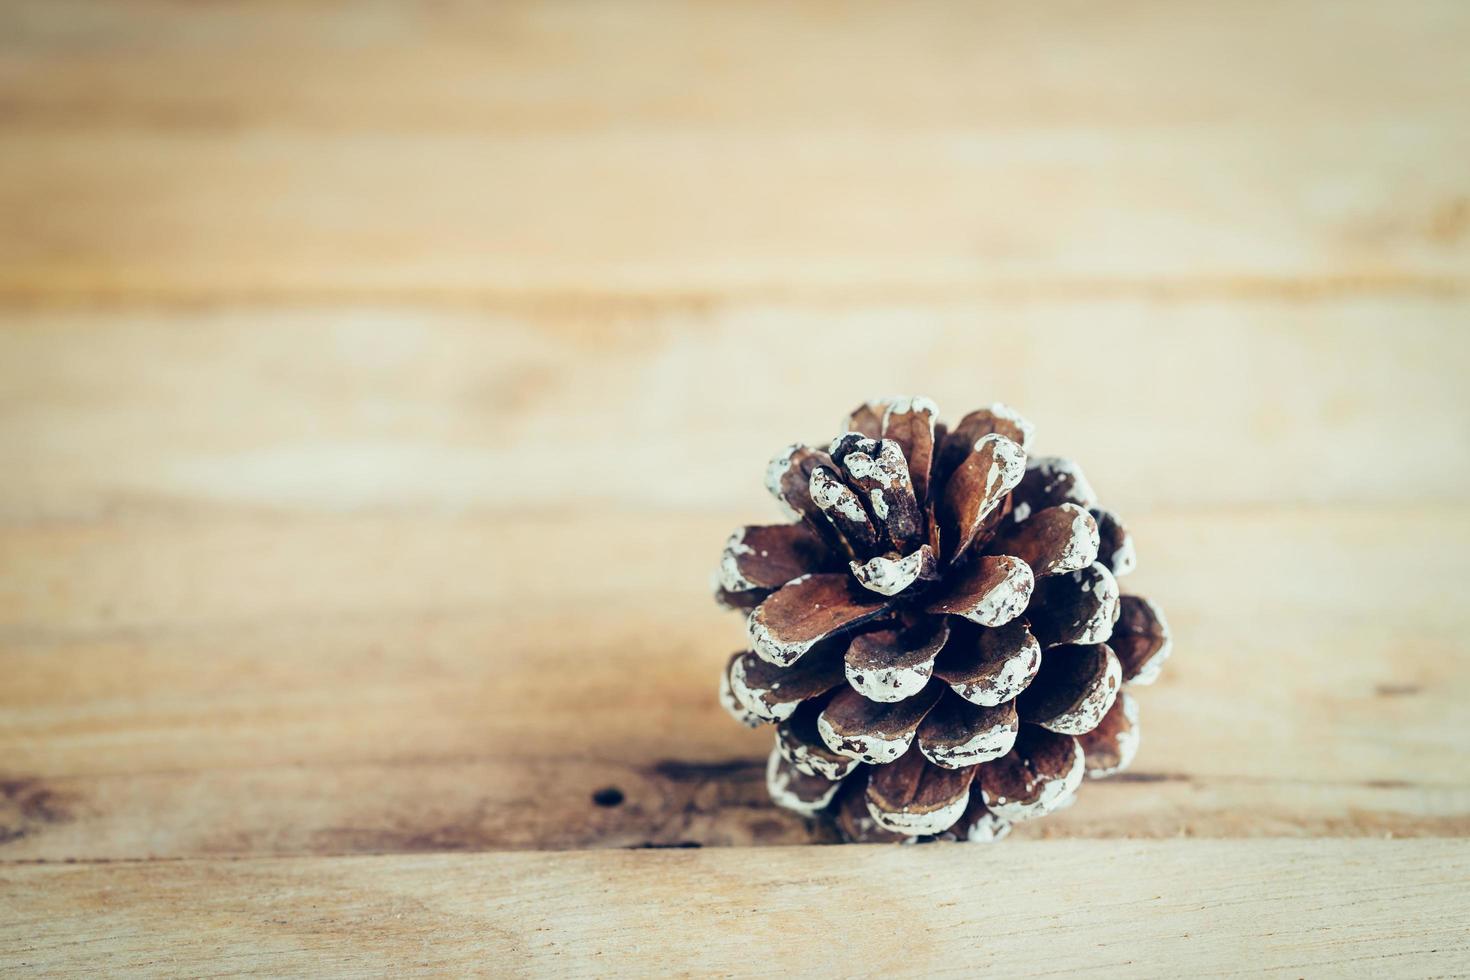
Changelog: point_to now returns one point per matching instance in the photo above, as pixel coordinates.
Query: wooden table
(378, 384)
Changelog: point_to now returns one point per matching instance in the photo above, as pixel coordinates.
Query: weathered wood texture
(378, 383)
(257, 683)
(277, 583)
(1154, 909)
(318, 149)
(1171, 405)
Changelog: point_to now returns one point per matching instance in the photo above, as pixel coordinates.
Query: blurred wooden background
(378, 383)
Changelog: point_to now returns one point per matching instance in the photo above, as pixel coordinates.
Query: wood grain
(1169, 405)
(246, 683)
(296, 582)
(378, 383)
(656, 146)
(1154, 909)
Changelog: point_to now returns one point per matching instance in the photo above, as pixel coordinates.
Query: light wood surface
(240, 683)
(667, 147)
(1151, 909)
(378, 384)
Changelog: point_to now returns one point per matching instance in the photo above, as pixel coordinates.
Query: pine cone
(939, 636)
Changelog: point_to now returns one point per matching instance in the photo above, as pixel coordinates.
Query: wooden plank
(341, 343)
(1169, 404)
(729, 148)
(193, 683)
(1156, 909)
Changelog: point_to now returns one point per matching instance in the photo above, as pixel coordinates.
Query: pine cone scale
(984, 478)
(1035, 778)
(773, 693)
(805, 611)
(880, 478)
(892, 664)
(1141, 639)
(990, 667)
(1110, 747)
(1056, 539)
(992, 591)
(910, 423)
(894, 576)
(873, 731)
(767, 556)
(1073, 690)
(795, 790)
(913, 796)
(958, 734)
(1077, 607)
(799, 742)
